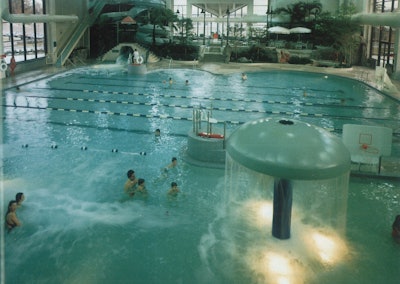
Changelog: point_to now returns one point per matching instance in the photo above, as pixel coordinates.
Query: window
(24, 41)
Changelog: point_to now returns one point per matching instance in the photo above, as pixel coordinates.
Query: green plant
(176, 51)
(299, 60)
(339, 32)
(158, 17)
(186, 26)
(258, 53)
(301, 13)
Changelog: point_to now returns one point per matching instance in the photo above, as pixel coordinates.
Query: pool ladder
(198, 117)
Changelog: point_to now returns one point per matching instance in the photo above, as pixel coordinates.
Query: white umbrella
(300, 30)
(279, 30)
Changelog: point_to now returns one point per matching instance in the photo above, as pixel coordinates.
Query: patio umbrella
(300, 30)
(279, 30)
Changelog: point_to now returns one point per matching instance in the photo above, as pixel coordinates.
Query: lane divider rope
(85, 148)
(338, 104)
(163, 116)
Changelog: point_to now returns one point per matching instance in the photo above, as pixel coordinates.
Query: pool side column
(282, 212)
(288, 150)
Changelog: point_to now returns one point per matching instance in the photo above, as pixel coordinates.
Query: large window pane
(24, 41)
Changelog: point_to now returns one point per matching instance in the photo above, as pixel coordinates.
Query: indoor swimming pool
(69, 140)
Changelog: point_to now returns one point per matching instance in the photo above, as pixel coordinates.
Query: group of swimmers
(137, 185)
(134, 185)
(11, 220)
(171, 81)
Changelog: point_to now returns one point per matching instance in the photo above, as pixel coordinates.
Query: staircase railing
(79, 32)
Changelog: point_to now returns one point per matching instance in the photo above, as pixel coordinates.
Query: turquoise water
(78, 227)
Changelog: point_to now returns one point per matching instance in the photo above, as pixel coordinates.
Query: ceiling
(220, 8)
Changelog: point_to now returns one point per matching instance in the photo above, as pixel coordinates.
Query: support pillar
(2, 73)
(282, 212)
(396, 61)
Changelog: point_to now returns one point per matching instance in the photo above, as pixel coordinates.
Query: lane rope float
(85, 148)
(332, 104)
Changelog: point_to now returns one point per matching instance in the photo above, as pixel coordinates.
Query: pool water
(69, 140)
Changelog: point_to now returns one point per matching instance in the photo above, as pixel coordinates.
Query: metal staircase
(213, 53)
(79, 31)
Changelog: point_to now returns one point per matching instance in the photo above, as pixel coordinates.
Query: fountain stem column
(283, 195)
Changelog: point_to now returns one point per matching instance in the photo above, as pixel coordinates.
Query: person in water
(396, 229)
(11, 217)
(19, 197)
(173, 191)
(173, 164)
(131, 183)
(141, 186)
(157, 133)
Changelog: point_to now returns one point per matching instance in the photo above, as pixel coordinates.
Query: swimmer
(173, 191)
(187, 82)
(244, 76)
(130, 184)
(157, 133)
(19, 197)
(173, 164)
(141, 186)
(396, 229)
(11, 217)
(170, 81)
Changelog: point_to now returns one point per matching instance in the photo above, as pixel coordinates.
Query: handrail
(79, 31)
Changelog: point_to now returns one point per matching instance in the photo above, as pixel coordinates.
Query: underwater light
(329, 248)
(278, 264)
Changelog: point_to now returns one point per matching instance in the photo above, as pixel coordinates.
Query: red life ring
(211, 135)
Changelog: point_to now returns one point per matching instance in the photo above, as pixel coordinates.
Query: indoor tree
(301, 13)
(158, 17)
(339, 32)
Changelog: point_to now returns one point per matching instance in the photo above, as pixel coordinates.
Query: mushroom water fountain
(285, 203)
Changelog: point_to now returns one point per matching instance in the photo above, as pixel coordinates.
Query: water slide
(80, 29)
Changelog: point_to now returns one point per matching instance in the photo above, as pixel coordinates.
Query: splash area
(70, 139)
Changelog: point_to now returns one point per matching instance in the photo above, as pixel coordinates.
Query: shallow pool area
(69, 139)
